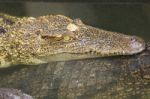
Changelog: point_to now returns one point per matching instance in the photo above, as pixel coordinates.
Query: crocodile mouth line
(75, 56)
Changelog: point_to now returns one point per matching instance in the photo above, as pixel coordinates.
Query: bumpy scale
(30, 40)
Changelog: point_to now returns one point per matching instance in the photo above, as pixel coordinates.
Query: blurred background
(130, 18)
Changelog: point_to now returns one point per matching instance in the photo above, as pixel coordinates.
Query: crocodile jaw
(135, 45)
(67, 57)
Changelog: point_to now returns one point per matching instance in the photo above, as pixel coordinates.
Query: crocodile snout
(136, 45)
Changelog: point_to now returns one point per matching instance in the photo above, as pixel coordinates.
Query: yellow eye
(66, 38)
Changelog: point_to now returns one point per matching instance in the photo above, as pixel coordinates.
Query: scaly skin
(39, 40)
(120, 77)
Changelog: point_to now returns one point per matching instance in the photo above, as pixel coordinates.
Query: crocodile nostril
(135, 43)
(133, 39)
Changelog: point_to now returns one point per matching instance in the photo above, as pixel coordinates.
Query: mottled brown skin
(120, 77)
(39, 40)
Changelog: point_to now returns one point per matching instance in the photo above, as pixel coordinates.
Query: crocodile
(30, 40)
(117, 77)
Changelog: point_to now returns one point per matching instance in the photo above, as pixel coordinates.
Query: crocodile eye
(67, 38)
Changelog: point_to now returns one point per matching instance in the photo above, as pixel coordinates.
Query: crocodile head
(55, 38)
(72, 39)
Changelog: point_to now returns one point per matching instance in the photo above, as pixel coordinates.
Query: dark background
(101, 1)
(130, 18)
